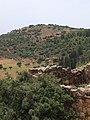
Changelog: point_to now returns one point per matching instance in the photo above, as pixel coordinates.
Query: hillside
(48, 44)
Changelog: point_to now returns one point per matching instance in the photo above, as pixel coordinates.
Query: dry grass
(13, 72)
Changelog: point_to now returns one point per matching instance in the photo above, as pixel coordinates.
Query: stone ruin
(68, 76)
(81, 100)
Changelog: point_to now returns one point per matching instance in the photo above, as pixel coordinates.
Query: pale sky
(16, 14)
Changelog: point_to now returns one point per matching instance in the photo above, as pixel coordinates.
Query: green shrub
(1, 66)
(41, 99)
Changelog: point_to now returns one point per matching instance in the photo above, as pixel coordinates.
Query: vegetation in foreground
(30, 98)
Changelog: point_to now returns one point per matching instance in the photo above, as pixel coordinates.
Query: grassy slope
(13, 63)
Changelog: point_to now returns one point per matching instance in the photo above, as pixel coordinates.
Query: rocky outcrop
(87, 73)
(68, 76)
(81, 103)
(81, 95)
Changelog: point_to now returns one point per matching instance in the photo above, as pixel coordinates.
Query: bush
(42, 99)
(19, 64)
(1, 66)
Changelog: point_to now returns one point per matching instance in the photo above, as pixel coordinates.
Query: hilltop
(48, 44)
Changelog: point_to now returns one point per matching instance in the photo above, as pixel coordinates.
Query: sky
(16, 14)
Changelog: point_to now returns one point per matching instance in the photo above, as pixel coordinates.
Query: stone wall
(87, 73)
(81, 95)
(68, 76)
(81, 102)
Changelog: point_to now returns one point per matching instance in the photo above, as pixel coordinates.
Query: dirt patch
(7, 61)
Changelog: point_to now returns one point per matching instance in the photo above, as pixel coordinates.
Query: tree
(1, 66)
(67, 61)
(80, 50)
(24, 76)
(41, 99)
(10, 67)
(19, 64)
